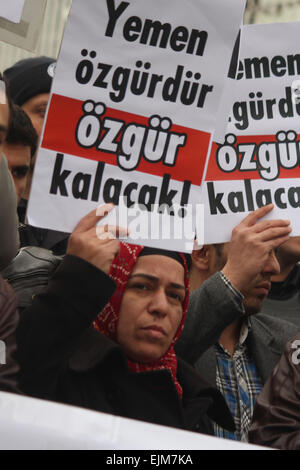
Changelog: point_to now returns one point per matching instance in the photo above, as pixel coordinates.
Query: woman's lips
(155, 331)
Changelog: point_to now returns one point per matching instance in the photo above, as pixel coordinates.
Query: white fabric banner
(31, 424)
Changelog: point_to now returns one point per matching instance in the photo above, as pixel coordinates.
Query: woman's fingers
(93, 217)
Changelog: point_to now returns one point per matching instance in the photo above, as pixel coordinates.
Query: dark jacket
(40, 237)
(29, 272)
(64, 359)
(8, 324)
(276, 418)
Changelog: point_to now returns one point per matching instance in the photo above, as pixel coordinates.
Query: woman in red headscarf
(121, 360)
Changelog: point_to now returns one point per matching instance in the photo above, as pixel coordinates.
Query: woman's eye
(142, 286)
(176, 296)
(138, 286)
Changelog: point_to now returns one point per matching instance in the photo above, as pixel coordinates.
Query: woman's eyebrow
(156, 279)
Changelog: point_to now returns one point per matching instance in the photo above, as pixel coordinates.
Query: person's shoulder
(30, 271)
(32, 257)
(212, 287)
(279, 328)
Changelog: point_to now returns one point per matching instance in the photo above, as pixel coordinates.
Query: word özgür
(267, 158)
(129, 142)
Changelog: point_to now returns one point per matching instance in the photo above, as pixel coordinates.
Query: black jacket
(40, 237)
(63, 358)
(8, 323)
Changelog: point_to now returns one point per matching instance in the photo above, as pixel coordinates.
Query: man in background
(29, 82)
(19, 148)
(283, 300)
(229, 344)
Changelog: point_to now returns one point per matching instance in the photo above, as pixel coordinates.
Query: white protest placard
(11, 10)
(259, 161)
(133, 107)
(21, 22)
(226, 100)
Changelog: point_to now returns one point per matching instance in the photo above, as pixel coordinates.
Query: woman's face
(151, 308)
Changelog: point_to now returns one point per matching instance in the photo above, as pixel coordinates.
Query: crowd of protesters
(204, 342)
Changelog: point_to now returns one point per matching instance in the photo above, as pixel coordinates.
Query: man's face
(259, 287)
(151, 308)
(18, 159)
(36, 109)
(4, 120)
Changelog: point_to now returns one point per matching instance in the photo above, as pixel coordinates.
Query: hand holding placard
(251, 245)
(97, 245)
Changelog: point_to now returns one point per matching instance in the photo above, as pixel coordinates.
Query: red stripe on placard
(282, 152)
(65, 113)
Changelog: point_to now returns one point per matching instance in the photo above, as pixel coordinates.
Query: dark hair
(171, 254)
(21, 131)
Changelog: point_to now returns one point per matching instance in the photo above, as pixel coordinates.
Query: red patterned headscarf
(107, 320)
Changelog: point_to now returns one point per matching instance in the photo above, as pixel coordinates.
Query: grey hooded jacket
(9, 236)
